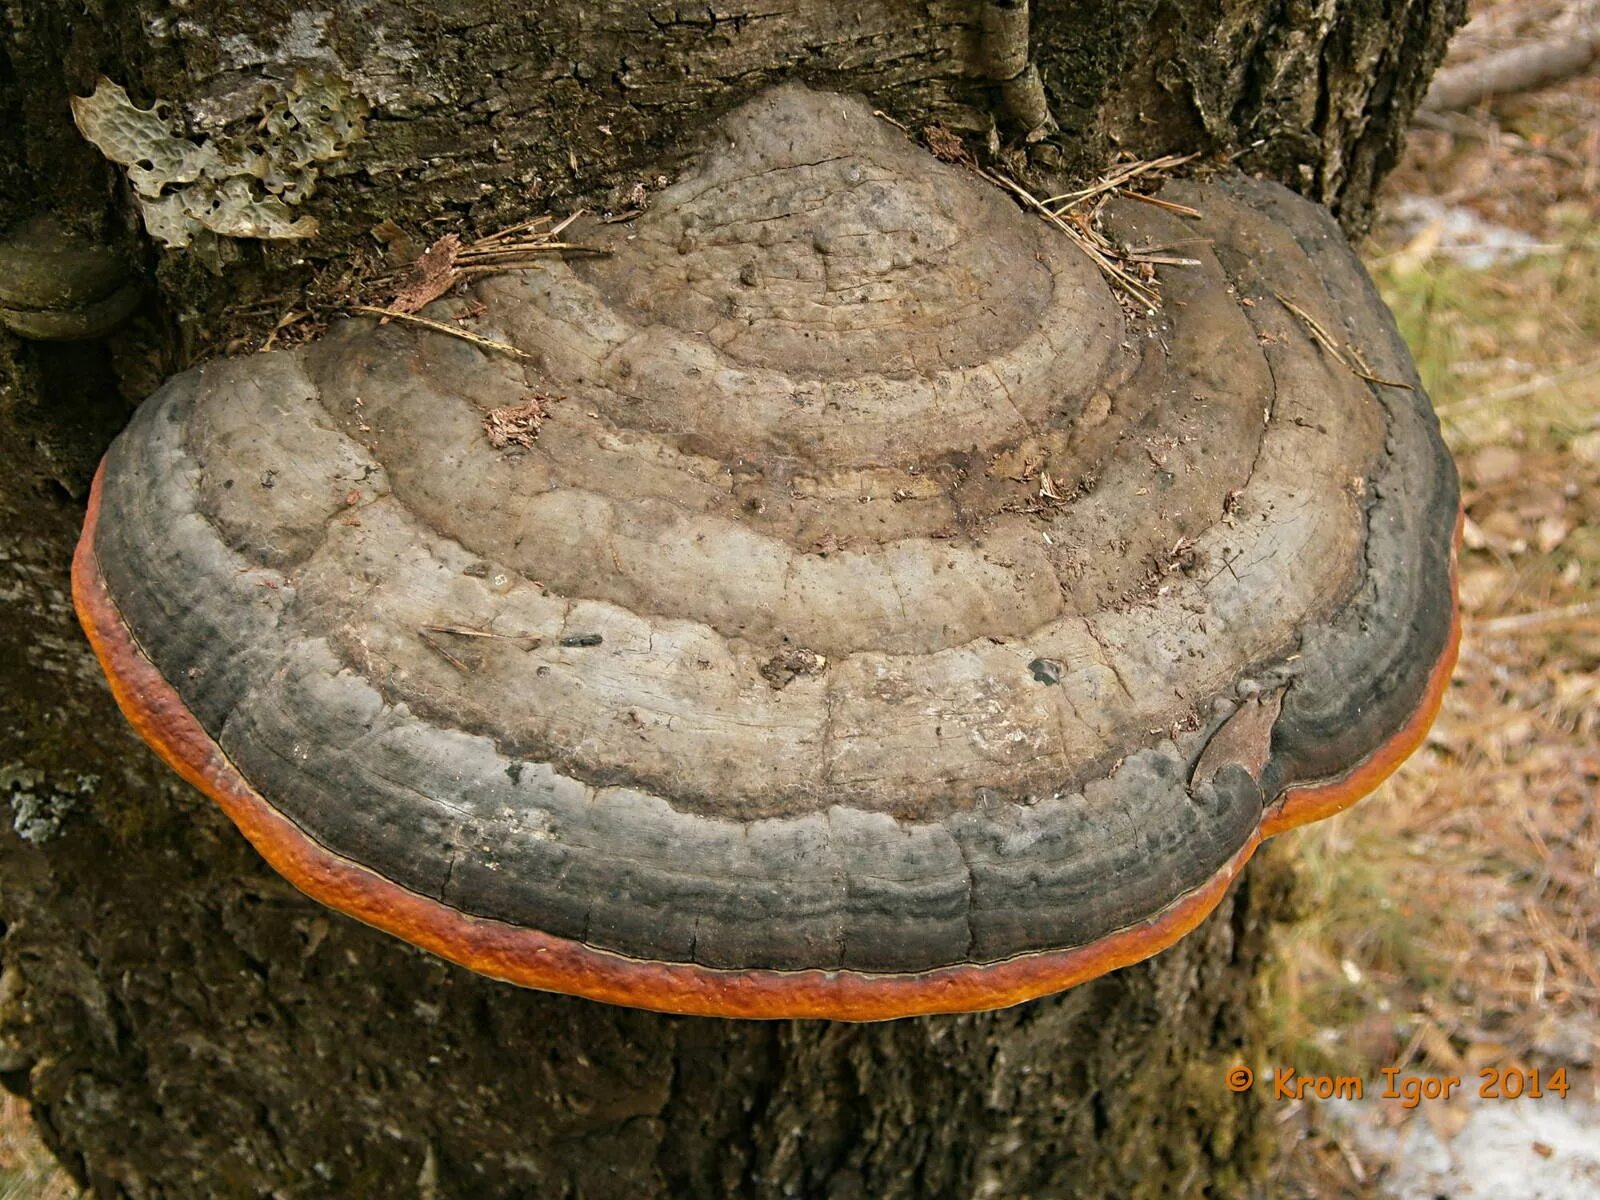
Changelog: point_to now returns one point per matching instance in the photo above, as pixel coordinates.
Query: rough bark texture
(185, 1023)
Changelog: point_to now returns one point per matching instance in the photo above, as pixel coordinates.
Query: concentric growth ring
(879, 622)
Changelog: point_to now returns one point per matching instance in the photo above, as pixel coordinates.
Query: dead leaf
(431, 276)
(1586, 448)
(1494, 464)
(1551, 532)
(947, 145)
(1446, 1120)
(1436, 1045)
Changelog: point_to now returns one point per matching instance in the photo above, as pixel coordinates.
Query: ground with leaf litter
(1455, 914)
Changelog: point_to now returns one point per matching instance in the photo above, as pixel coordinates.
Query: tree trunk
(184, 1023)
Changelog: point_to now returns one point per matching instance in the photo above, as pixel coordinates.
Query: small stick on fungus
(1324, 339)
(466, 335)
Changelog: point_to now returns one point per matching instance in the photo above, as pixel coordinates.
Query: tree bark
(184, 1023)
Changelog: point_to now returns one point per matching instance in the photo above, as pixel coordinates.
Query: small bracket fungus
(762, 682)
(58, 288)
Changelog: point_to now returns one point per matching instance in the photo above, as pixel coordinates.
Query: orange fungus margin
(538, 960)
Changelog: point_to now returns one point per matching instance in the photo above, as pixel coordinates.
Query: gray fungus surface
(739, 662)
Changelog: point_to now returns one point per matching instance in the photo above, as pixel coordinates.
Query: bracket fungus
(55, 287)
(878, 621)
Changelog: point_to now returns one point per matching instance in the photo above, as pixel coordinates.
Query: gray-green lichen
(39, 806)
(236, 185)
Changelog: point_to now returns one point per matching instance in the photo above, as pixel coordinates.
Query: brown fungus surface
(766, 675)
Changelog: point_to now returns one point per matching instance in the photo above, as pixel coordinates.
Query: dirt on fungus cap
(882, 622)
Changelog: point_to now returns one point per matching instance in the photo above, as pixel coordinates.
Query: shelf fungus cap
(840, 608)
(56, 287)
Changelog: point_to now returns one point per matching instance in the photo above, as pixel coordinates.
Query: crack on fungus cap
(767, 675)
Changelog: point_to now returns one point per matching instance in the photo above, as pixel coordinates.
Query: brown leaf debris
(948, 146)
(781, 669)
(517, 424)
(431, 276)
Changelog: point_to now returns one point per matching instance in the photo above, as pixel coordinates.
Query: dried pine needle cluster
(1131, 272)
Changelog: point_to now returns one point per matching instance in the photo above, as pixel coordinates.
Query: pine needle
(1350, 361)
(466, 335)
(1119, 177)
(1102, 257)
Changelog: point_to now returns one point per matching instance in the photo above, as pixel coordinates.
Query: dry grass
(1455, 915)
(27, 1172)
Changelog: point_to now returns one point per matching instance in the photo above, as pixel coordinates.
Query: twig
(1318, 333)
(1525, 622)
(1362, 371)
(475, 253)
(1469, 126)
(447, 262)
(1518, 390)
(532, 639)
(477, 339)
(1523, 68)
(292, 317)
(1119, 177)
(1115, 183)
(1160, 260)
(434, 645)
(513, 231)
(1159, 247)
(1503, 253)
(1183, 210)
(1353, 362)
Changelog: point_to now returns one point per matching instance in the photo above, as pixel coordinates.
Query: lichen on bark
(245, 187)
